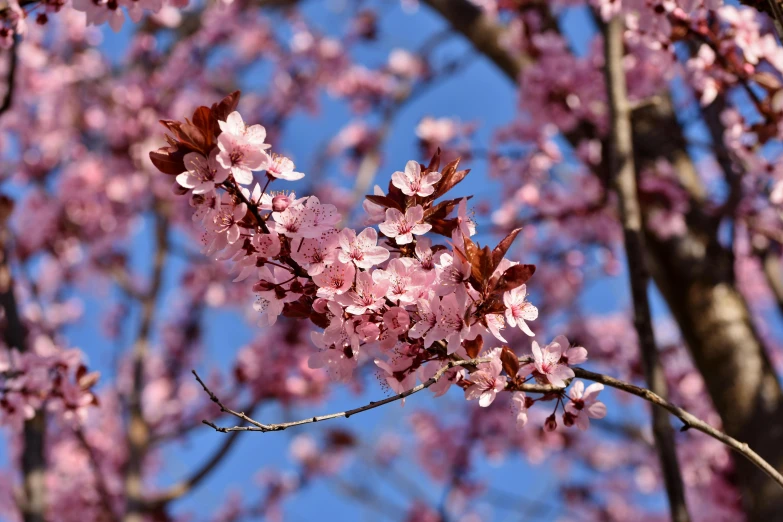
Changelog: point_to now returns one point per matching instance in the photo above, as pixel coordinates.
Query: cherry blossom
(519, 409)
(584, 404)
(547, 366)
(281, 167)
(412, 182)
(518, 310)
(402, 227)
(487, 381)
(242, 148)
(203, 173)
(335, 279)
(362, 249)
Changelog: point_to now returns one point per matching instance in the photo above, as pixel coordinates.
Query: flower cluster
(389, 294)
(58, 379)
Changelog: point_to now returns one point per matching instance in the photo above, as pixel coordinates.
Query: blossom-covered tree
(594, 304)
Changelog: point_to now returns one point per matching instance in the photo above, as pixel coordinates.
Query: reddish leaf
(396, 194)
(434, 162)
(195, 137)
(202, 119)
(444, 227)
(473, 348)
(514, 276)
(226, 106)
(384, 201)
(510, 361)
(442, 209)
(485, 262)
(169, 160)
(503, 246)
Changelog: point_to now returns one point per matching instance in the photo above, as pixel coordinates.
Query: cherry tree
(604, 317)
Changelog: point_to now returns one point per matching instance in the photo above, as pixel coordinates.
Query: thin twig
(623, 173)
(690, 421)
(257, 426)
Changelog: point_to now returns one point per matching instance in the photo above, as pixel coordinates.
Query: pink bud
(280, 202)
(263, 286)
(568, 419)
(550, 424)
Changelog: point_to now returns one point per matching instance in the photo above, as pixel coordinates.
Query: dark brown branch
(138, 429)
(485, 35)
(623, 174)
(33, 502)
(11, 79)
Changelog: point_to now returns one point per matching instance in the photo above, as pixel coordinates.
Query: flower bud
(179, 190)
(550, 424)
(280, 202)
(568, 419)
(263, 286)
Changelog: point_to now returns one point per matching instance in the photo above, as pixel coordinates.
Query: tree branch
(257, 426)
(623, 174)
(33, 503)
(486, 36)
(138, 430)
(690, 421)
(100, 480)
(11, 80)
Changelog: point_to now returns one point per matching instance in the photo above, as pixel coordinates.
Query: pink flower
(235, 127)
(224, 221)
(403, 279)
(396, 320)
(572, 355)
(427, 318)
(403, 227)
(375, 213)
(101, 11)
(361, 249)
(413, 183)
(283, 168)
(584, 404)
(336, 278)
(369, 294)
(273, 293)
(519, 408)
(466, 224)
(450, 324)
(487, 381)
(242, 148)
(546, 361)
(427, 371)
(395, 371)
(202, 173)
(518, 310)
(316, 254)
(453, 273)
